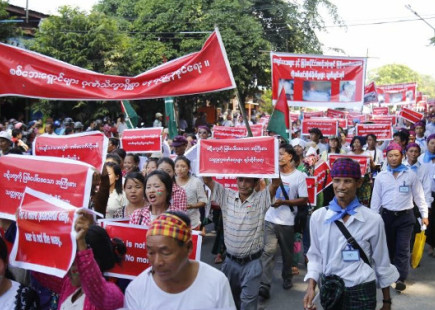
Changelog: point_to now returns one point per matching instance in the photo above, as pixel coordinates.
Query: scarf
(428, 156)
(399, 168)
(339, 211)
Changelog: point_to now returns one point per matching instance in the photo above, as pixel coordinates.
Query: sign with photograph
(142, 140)
(394, 94)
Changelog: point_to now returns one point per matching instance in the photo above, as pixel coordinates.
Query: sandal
(218, 259)
(295, 271)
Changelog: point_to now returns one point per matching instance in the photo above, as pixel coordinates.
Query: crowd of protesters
(160, 191)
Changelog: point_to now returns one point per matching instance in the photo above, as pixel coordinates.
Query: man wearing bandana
(395, 190)
(349, 271)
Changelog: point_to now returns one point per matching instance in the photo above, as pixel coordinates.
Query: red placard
(256, 129)
(312, 190)
(327, 126)
(362, 160)
(384, 119)
(136, 259)
(143, 140)
(294, 117)
(380, 111)
(252, 157)
(318, 81)
(225, 132)
(351, 117)
(322, 175)
(313, 114)
(397, 93)
(89, 147)
(29, 74)
(227, 182)
(45, 239)
(411, 115)
(381, 131)
(65, 179)
(336, 114)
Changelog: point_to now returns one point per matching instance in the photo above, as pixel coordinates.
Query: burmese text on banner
(397, 93)
(142, 140)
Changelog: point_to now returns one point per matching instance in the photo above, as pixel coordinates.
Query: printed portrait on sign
(347, 91)
(316, 91)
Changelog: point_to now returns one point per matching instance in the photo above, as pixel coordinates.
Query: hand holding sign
(81, 226)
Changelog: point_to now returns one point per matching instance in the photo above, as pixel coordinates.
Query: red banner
(227, 182)
(88, 147)
(45, 240)
(312, 190)
(362, 160)
(136, 259)
(143, 140)
(384, 119)
(313, 114)
(411, 115)
(336, 114)
(251, 157)
(381, 131)
(397, 93)
(64, 179)
(29, 74)
(327, 126)
(256, 129)
(225, 132)
(381, 111)
(318, 81)
(351, 117)
(322, 175)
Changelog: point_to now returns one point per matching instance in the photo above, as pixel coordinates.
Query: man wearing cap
(394, 192)
(174, 281)
(158, 120)
(315, 136)
(179, 144)
(340, 264)
(5, 143)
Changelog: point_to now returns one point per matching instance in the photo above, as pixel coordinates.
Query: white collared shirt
(386, 192)
(328, 242)
(425, 175)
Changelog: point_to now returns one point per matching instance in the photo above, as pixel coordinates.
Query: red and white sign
(382, 132)
(29, 74)
(313, 114)
(384, 119)
(65, 179)
(351, 117)
(336, 114)
(45, 239)
(251, 157)
(380, 111)
(89, 147)
(142, 140)
(328, 127)
(312, 190)
(397, 93)
(225, 132)
(256, 129)
(322, 175)
(136, 259)
(411, 115)
(318, 81)
(227, 182)
(294, 117)
(370, 94)
(363, 161)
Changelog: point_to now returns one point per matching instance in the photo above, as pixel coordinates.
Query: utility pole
(416, 14)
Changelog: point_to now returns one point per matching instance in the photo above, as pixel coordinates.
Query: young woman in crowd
(131, 163)
(134, 188)
(150, 166)
(196, 196)
(116, 198)
(179, 197)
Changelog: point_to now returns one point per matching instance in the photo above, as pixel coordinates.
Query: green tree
(8, 29)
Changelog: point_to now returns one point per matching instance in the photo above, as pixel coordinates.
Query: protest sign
(312, 190)
(382, 132)
(225, 132)
(380, 111)
(45, 239)
(313, 114)
(251, 157)
(328, 127)
(411, 115)
(322, 175)
(256, 129)
(142, 140)
(336, 114)
(29, 74)
(358, 117)
(136, 258)
(88, 147)
(318, 81)
(403, 93)
(227, 182)
(363, 161)
(370, 94)
(65, 179)
(384, 119)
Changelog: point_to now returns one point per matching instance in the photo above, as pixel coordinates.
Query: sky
(385, 31)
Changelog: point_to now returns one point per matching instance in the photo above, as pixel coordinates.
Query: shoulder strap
(284, 192)
(352, 241)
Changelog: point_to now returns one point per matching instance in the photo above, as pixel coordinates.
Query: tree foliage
(7, 29)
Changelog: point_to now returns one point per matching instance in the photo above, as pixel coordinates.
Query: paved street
(420, 293)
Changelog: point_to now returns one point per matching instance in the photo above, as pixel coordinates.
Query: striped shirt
(243, 222)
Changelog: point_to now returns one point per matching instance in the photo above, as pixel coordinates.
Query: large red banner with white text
(381, 131)
(318, 81)
(89, 147)
(363, 161)
(29, 74)
(45, 239)
(65, 179)
(225, 132)
(397, 93)
(252, 157)
(328, 127)
(142, 140)
(136, 259)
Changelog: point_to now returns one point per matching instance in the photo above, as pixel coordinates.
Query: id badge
(350, 255)
(404, 189)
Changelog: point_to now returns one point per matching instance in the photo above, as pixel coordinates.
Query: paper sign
(380, 111)
(384, 119)
(382, 132)
(336, 114)
(225, 132)
(143, 140)
(88, 147)
(411, 115)
(327, 127)
(322, 175)
(312, 190)
(256, 129)
(363, 161)
(227, 182)
(313, 114)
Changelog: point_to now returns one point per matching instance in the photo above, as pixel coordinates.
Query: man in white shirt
(393, 195)
(158, 120)
(331, 256)
(420, 139)
(280, 220)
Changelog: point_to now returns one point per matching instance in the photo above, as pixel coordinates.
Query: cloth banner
(318, 81)
(380, 111)
(136, 258)
(256, 129)
(88, 147)
(382, 132)
(142, 140)
(28, 74)
(363, 161)
(312, 190)
(322, 175)
(404, 93)
(255, 157)
(411, 115)
(225, 132)
(46, 239)
(65, 179)
(328, 127)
